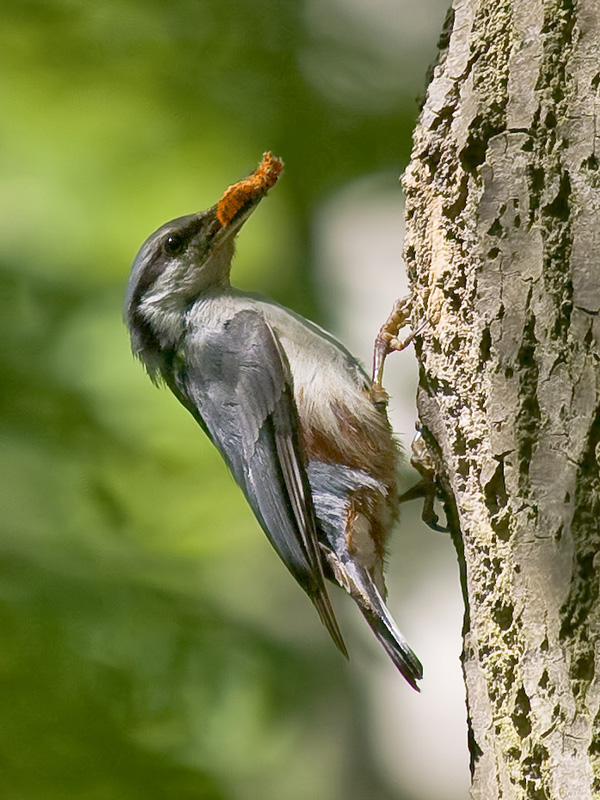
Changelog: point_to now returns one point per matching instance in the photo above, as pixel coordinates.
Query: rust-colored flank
(240, 194)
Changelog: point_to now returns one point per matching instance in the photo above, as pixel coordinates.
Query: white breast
(326, 377)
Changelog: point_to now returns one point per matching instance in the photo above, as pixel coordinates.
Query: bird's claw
(387, 340)
(427, 488)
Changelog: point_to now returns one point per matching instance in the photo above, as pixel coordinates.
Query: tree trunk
(502, 247)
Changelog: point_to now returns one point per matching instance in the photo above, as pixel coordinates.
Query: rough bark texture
(503, 250)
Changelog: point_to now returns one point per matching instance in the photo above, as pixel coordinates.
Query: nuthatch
(299, 423)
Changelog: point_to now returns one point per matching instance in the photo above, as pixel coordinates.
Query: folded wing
(235, 380)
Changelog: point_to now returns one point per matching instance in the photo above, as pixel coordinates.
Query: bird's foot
(427, 487)
(387, 341)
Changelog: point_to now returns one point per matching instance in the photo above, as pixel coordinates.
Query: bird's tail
(360, 586)
(385, 629)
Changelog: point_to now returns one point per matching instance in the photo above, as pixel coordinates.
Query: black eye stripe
(153, 258)
(175, 241)
(175, 244)
(155, 267)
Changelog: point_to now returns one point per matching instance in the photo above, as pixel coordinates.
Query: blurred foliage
(152, 646)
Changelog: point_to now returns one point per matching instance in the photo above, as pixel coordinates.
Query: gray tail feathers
(360, 586)
(384, 628)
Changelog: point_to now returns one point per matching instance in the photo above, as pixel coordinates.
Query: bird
(301, 425)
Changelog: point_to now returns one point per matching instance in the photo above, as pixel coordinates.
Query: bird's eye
(173, 245)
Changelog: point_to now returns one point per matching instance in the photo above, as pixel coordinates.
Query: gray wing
(235, 380)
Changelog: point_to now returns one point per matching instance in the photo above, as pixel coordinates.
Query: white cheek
(164, 307)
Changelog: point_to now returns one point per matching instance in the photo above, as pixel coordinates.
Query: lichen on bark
(503, 195)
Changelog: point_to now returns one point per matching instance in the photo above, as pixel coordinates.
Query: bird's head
(185, 259)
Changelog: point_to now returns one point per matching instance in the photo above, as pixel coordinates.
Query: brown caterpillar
(257, 184)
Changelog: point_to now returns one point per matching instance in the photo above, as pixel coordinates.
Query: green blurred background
(151, 645)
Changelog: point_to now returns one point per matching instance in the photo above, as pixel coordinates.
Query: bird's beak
(239, 200)
(223, 233)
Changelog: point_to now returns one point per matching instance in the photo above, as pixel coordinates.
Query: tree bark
(503, 252)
